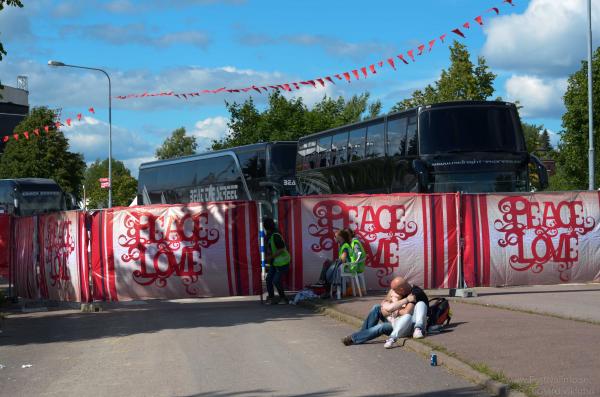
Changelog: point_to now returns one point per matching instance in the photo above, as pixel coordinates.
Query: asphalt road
(210, 347)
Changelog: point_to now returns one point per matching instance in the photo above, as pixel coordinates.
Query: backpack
(439, 312)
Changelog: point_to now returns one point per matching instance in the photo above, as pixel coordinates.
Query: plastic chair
(357, 280)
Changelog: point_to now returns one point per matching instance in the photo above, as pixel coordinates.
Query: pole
(110, 180)
(591, 159)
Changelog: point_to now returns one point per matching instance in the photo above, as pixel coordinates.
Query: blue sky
(192, 45)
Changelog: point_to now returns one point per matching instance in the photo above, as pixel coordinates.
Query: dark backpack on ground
(439, 312)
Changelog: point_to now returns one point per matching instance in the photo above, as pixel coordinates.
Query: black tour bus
(261, 172)
(463, 146)
(32, 196)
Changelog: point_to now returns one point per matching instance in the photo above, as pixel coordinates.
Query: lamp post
(591, 155)
(57, 63)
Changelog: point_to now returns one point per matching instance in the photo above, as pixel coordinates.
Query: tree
(462, 81)
(124, 186)
(545, 144)
(11, 3)
(177, 145)
(43, 156)
(572, 161)
(290, 119)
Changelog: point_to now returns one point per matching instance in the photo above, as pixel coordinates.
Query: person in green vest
(331, 269)
(278, 259)
(358, 251)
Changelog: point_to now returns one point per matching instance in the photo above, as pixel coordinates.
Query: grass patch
(524, 387)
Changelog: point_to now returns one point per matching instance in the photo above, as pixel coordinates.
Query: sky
(191, 45)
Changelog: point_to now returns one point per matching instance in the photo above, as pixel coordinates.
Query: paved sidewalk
(560, 356)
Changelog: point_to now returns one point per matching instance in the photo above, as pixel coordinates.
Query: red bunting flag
(431, 43)
(69, 122)
(16, 137)
(322, 82)
(509, 2)
(312, 82)
(287, 87)
(46, 128)
(380, 63)
(391, 62)
(177, 95)
(421, 49)
(442, 37)
(347, 76)
(92, 111)
(411, 54)
(479, 20)
(329, 79)
(36, 132)
(458, 32)
(78, 116)
(255, 88)
(296, 86)
(372, 67)
(495, 9)
(26, 133)
(355, 73)
(467, 25)
(401, 57)
(338, 77)
(57, 125)
(5, 139)
(364, 71)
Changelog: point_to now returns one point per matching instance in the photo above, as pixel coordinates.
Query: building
(14, 106)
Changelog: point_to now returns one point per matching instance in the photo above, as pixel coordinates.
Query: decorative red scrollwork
(58, 246)
(556, 230)
(384, 226)
(167, 245)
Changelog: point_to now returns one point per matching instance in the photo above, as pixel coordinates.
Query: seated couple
(402, 312)
(351, 249)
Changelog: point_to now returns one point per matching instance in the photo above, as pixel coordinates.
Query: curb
(453, 364)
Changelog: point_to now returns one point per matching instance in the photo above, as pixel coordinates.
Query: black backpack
(439, 312)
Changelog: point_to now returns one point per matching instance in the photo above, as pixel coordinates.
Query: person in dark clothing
(411, 310)
(278, 258)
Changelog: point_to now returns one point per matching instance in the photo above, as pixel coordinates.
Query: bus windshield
(37, 202)
(469, 129)
(283, 159)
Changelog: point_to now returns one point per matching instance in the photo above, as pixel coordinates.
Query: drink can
(433, 359)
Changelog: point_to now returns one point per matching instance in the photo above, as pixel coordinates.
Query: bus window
(411, 137)
(356, 144)
(308, 151)
(397, 136)
(324, 150)
(249, 164)
(339, 149)
(375, 141)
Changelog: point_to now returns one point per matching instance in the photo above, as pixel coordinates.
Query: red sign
(104, 185)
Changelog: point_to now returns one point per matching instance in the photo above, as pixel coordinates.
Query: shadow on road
(154, 316)
(530, 292)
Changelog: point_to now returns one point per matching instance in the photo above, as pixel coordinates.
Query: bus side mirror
(420, 168)
(541, 171)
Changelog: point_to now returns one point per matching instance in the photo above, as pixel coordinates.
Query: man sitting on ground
(412, 318)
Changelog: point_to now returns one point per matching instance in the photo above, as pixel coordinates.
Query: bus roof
(428, 106)
(213, 153)
(32, 182)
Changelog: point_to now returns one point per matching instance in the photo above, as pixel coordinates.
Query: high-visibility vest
(283, 258)
(360, 265)
(346, 247)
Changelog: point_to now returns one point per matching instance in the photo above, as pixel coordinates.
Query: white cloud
(539, 97)
(207, 130)
(549, 38)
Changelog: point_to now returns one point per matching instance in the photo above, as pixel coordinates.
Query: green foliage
(44, 156)
(124, 186)
(290, 119)
(177, 145)
(572, 161)
(462, 81)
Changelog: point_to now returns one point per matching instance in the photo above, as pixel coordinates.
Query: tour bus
(261, 172)
(32, 196)
(465, 146)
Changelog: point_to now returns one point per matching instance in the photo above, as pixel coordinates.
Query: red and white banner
(63, 244)
(26, 272)
(413, 236)
(542, 238)
(5, 245)
(176, 251)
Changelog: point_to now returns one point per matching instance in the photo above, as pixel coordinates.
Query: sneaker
(274, 301)
(347, 340)
(417, 334)
(389, 343)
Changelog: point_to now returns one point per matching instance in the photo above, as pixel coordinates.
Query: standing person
(278, 259)
(330, 271)
(410, 310)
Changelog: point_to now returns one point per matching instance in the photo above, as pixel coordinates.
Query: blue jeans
(372, 328)
(274, 278)
(404, 325)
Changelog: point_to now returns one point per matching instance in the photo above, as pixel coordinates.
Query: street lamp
(57, 63)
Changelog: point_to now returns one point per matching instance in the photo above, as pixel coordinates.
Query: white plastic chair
(357, 280)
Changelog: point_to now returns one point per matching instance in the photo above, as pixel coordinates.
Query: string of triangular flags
(363, 71)
(48, 129)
